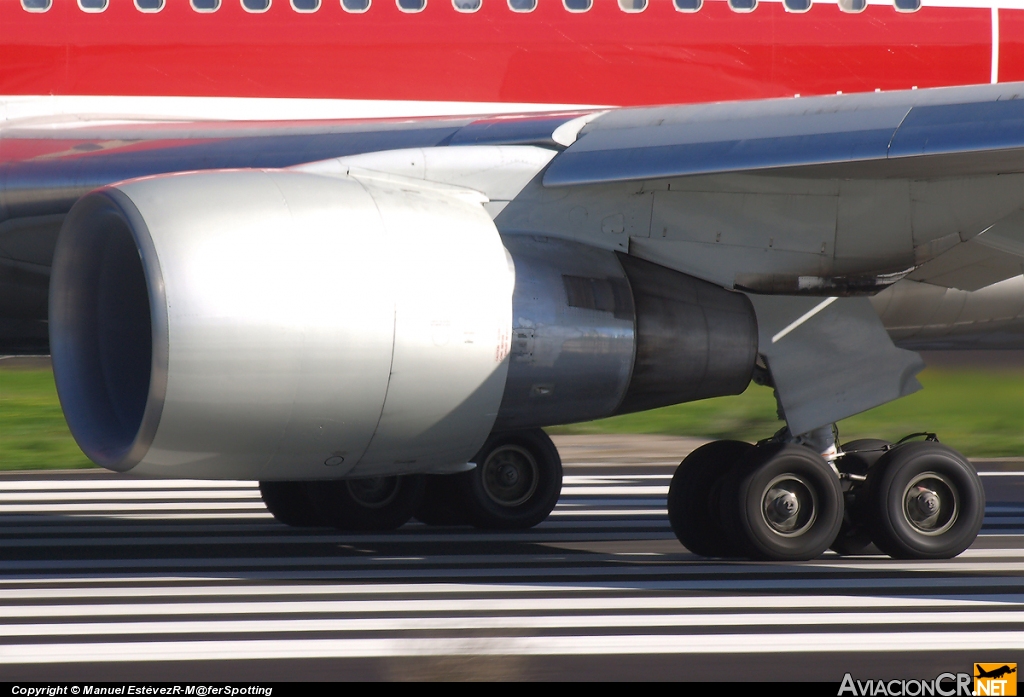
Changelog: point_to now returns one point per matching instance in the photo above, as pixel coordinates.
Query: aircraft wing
(894, 143)
(919, 133)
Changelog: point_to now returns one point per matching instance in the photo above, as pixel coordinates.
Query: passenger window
(149, 5)
(92, 5)
(577, 5)
(632, 5)
(853, 5)
(522, 5)
(908, 5)
(688, 5)
(355, 5)
(411, 5)
(255, 5)
(797, 5)
(36, 5)
(205, 5)
(466, 5)
(742, 5)
(305, 5)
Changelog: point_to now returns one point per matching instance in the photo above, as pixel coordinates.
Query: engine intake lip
(108, 329)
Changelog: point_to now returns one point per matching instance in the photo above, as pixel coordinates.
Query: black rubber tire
(377, 504)
(750, 481)
(442, 502)
(491, 506)
(854, 537)
(289, 504)
(693, 497)
(889, 482)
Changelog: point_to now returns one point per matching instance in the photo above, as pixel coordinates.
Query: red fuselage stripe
(603, 56)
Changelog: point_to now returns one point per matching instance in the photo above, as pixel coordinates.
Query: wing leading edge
(950, 131)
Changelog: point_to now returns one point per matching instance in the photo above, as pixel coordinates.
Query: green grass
(979, 411)
(33, 433)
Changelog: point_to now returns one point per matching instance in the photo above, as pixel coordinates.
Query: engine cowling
(278, 325)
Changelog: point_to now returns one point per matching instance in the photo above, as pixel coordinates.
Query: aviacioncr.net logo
(945, 685)
(995, 679)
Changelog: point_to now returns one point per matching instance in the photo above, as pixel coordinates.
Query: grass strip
(978, 411)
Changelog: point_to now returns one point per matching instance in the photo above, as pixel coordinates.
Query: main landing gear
(373, 504)
(783, 501)
(515, 485)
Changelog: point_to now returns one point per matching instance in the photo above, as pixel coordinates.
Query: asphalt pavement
(104, 577)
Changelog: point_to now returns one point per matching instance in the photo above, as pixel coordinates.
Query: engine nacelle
(279, 325)
(598, 333)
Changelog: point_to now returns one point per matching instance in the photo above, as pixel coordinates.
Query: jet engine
(282, 325)
(275, 324)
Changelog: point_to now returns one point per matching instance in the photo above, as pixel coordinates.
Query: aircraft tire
(289, 504)
(925, 500)
(782, 503)
(442, 501)
(854, 537)
(693, 497)
(516, 482)
(371, 504)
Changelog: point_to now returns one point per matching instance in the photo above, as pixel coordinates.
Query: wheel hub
(789, 505)
(931, 503)
(373, 492)
(510, 476)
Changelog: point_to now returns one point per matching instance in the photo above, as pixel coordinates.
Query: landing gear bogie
(442, 502)
(782, 501)
(859, 456)
(515, 485)
(371, 504)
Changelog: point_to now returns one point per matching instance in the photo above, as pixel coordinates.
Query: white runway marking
(108, 571)
(405, 624)
(579, 645)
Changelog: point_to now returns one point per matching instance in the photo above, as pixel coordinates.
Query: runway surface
(103, 577)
